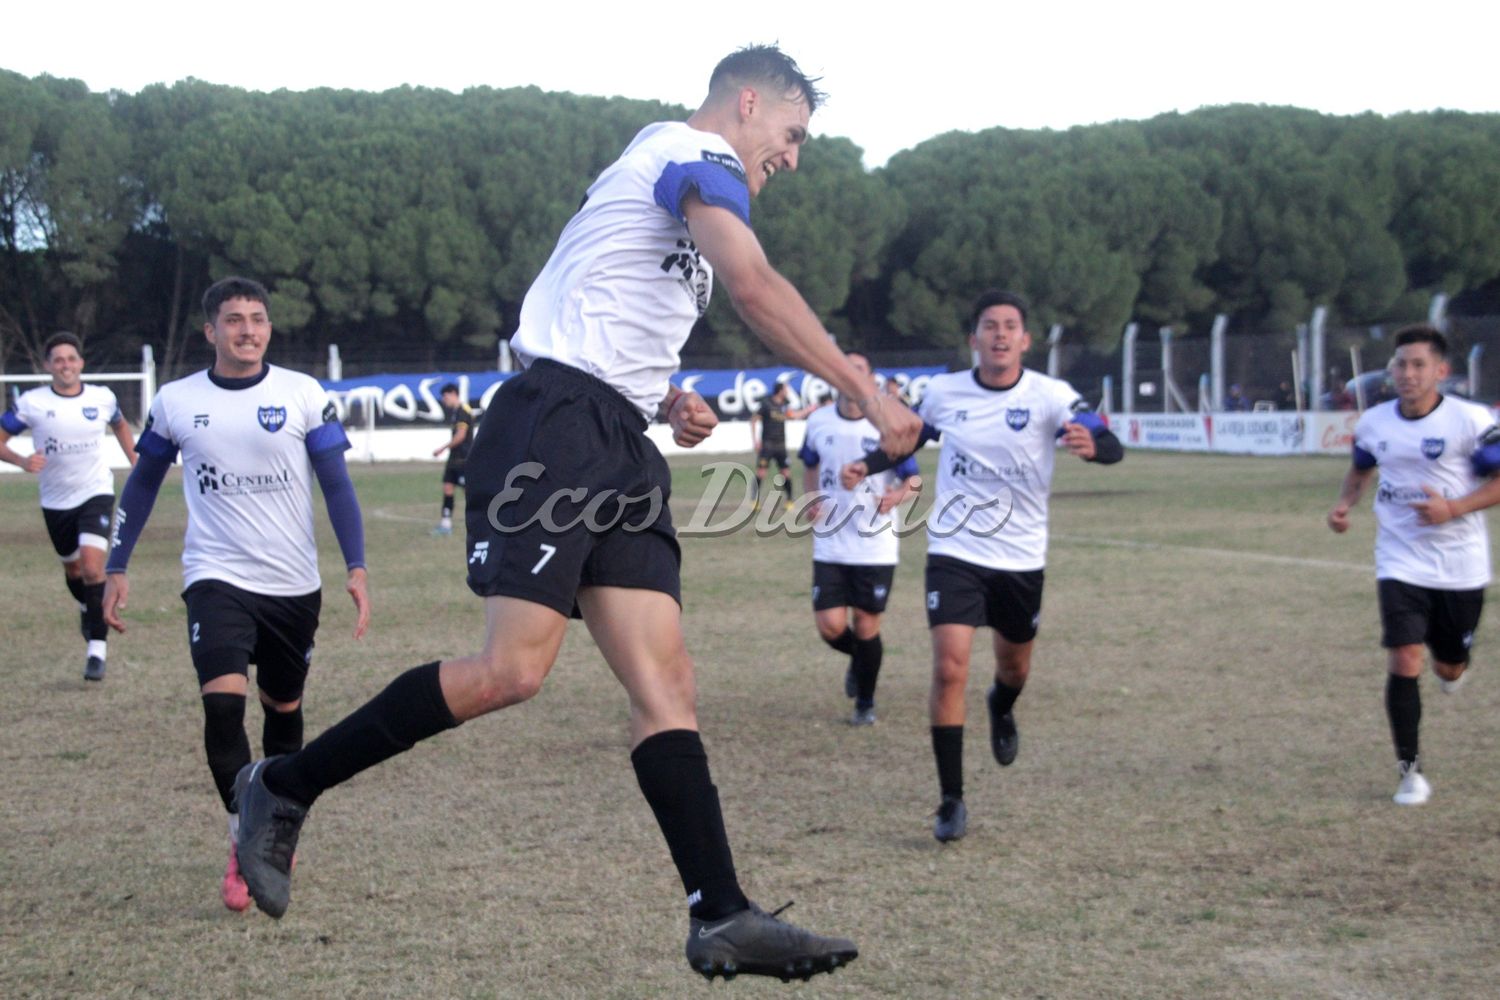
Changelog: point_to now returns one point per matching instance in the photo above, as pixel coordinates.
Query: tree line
(417, 218)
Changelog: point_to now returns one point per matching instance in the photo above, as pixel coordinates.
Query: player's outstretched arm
(784, 322)
(1355, 481)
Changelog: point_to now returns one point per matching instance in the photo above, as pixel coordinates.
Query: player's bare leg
(640, 634)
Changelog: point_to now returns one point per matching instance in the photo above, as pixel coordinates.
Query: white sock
(97, 648)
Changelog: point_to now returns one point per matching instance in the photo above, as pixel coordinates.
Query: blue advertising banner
(733, 393)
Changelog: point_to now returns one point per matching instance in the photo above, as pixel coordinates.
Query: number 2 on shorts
(548, 551)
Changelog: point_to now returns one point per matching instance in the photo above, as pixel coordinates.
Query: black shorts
(961, 593)
(230, 628)
(453, 472)
(1443, 620)
(66, 528)
(766, 456)
(836, 585)
(567, 492)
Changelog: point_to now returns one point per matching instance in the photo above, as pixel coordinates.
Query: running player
(855, 541)
(67, 420)
(987, 540)
(1438, 457)
(567, 501)
(252, 437)
(457, 447)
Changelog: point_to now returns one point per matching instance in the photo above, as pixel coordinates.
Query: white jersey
(247, 476)
(1438, 450)
(68, 432)
(995, 469)
(625, 283)
(850, 529)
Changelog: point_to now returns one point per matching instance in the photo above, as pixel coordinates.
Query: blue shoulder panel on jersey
(907, 469)
(1486, 460)
(12, 422)
(153, 444)
(327, 437)
(809, 455)
(713, 182)
(136, 501)
(343, 505)
(1363, 459)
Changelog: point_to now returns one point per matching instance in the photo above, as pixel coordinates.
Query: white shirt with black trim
(625, 284)
(247, 476)
(850, 529)
(68, 432)
(994, 479)
(1435, 450)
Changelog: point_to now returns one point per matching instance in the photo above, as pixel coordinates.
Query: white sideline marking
(1125, 543)
(381, 514)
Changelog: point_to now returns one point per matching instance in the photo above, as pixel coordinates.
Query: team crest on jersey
(91, 413)
(1433, 447)
(1017, 417)
(272, 418)
(869, 444)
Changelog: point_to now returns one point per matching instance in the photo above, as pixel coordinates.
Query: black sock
(93, 615)
(948, 748)
(409, 710)
(225, 741)
(1004, 697)
(1403, 704)
(447, 506)
(282, 731)
(75, 587)
(673, 773)
(867, 656)
(843, 642)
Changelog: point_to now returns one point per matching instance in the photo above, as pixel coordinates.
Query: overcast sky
(896, 74)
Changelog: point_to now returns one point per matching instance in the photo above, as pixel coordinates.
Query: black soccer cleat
(952, 820)
(753, 942)
(93, 670)
(267, 838)
(1005, 740)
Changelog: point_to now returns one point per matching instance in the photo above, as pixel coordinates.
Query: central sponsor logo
(230, 483)
(1017, 417)
(1433, 447)
(208, 478)
(272, 418)
(691, 273)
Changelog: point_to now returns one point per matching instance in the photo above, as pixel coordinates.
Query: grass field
(1201, 807)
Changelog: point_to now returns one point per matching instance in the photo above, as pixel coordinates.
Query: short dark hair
(996, 297)
(221, 292)
(766, 64)
(62, 338)
(1423, 333)
(447, 388)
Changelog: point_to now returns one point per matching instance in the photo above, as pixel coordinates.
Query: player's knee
(509, 680)
(829, 631)
(950, 671)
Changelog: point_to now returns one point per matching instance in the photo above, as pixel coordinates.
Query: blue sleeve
(1363, 459)
(715, 183)
(12, 422)
(809, 455)
(1486, 460)
(908, 468)
(879, 461)
(158, 447)
(343, 505)
(328, 437)
(136, 501)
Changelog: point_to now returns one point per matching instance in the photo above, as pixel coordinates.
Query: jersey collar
(997, 388)
(239, 383)
(1424, 416)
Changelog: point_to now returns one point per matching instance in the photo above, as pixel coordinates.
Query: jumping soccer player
(457, 447)
(855, 545)
(1000, 425)
(252, 437)
(565, 444)
(1438, 458)
(67, 420)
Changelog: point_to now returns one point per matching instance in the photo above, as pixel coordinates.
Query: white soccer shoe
(1452, 687)
(1414, 789)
